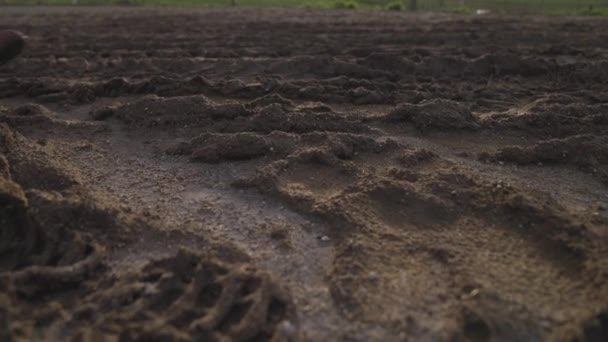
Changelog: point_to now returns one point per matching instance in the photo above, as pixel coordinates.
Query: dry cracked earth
(300, 175)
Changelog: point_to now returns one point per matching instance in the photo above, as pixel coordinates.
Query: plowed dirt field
(247, 174)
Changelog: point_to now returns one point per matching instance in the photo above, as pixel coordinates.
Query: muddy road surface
(299, 175)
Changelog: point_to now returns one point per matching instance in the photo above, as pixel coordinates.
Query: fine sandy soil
(241, 174)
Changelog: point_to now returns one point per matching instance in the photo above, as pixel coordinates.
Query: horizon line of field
(551, 6)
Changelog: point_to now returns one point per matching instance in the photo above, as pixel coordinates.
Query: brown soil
(241, 174)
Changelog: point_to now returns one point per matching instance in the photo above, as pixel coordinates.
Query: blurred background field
(567, 7)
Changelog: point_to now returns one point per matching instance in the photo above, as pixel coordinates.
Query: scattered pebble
(472, 294)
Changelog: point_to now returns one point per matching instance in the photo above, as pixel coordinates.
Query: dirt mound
(215, 147)
(339, 89)
(389, 62)
(553, 117)
(327, 67)
(487, 65)
(157, 111)
(588, 152)
(434, 114)
(271, 99)
(508, 64)
(262, 115)
(31, 167)
(26, 115)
